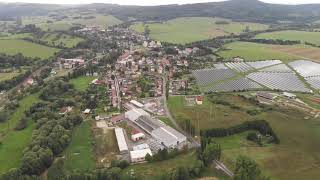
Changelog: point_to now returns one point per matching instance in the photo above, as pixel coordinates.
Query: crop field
(28, 49)
(303, 36)
(82, 83)
(299, 144)
(190, 29)
(14, 142)
(79, 154)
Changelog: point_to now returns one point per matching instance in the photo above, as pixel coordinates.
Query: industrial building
(163, 134)
(139, 155)
(137, 137)
(122, 144)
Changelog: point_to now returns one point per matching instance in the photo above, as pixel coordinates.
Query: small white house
(137, 137)
(87, 111)
(139, 155)
(289, 95)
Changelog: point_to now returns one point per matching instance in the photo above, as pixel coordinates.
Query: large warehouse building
(163, 134)
(122, 144)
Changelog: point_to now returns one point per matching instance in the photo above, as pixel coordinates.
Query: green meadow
(190, 29)
(82, 83)
(28, 49)
(299, 144)
(12, 143)
(303, 36)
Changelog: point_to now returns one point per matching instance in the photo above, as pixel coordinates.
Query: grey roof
(168, 136)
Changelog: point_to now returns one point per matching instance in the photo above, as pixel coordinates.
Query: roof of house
(138, 135)
(200, 98)
(140, 153)
(136, 103)
(122, 144)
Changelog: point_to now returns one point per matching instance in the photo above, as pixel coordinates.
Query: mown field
(303, 36)
(296, 157)
(254, 51)
(28, 49)
(82, 83)
(79, 154)
(190, 29)
(13, 142)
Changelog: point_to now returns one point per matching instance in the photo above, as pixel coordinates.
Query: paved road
(194, 143)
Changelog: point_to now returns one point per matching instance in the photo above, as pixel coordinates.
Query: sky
(150, 2)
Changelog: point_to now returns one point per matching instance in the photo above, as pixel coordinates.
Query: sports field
(254, 51)
(28, 49)
(14, 142)
(190, 29)
(299, 144)
(82, 83)
(303, 36)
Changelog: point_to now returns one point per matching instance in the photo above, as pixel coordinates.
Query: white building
(169, 137)
(139, 155)
(135, 113)
(137, 137)
(122, 144)
(136, 103)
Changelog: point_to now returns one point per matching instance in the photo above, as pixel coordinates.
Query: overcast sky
(149, 2)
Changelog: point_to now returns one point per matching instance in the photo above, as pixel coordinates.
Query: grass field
(186, 30)
(79, 154)
(158, 168)
(14, 142)
(67, 23)
(28, 49)
(253, 51)
(82, 83)
(299, 144)
(303, 36)
(7, 76)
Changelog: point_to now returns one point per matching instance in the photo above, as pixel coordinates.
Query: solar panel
(235, 85)
(207, 76)
(263, 64)
(306, 68)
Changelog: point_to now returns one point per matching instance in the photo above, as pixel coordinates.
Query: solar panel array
(279, 81)
(208, 76)
(220, 66)
(314, 81)
(277, 68)
(306, 68)
(239, 66)
(235, 85)
(262, 64)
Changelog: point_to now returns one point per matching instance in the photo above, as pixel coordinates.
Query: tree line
(258, 125)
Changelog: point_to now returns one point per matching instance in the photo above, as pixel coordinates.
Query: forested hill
(242, 10)
(248, 10)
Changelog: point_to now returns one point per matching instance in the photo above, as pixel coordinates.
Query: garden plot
(207, 76)
(263, 64)
(306, 68)
(279, 81)
(314, 81)
(277, 68)
(239, 66)
(235, 85)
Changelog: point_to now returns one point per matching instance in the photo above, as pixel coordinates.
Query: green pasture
(82, 83)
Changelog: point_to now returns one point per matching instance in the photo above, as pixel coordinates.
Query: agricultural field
(82, 83)
(28, 49)
(53, 39)
(50, 24)
(254, 51)
(14, 142)
(275, 160)
(303, 36)
(79, 154)
(190, 29)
